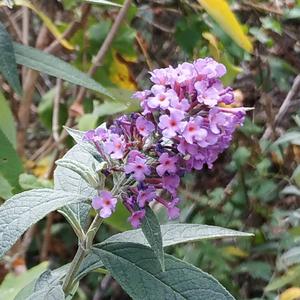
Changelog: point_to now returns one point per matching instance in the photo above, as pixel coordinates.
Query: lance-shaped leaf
(8, 66)
(152, 232)
(53, 66)
(221, 12)
(173, 234)
(25, 209)
(138, 271)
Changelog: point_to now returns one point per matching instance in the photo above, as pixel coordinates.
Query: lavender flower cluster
(184, 124)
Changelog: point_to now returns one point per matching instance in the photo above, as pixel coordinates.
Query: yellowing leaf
(120, 74)
(39, 168)
(213, 42)
(292, 293)
(47, 21)
(221, 12)
(235, 251)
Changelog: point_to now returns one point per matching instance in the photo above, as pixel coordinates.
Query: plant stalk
(82, 251)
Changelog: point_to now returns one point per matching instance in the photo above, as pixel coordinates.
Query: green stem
(82, 251)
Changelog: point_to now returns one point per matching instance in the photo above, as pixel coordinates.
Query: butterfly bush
(184, 124)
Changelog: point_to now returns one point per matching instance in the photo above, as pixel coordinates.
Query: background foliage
(254, 186)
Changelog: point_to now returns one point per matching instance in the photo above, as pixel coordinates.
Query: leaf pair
(116, 248)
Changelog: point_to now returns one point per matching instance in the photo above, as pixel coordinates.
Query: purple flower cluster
(184, 125)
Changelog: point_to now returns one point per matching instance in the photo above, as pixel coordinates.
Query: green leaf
(45, 109)
(109, 108)
(292, 137)
(118, 219)
(289, 258)
(12, 284)
(278, 67)
(271, 24)
(138, 271)
(104, 2)
(173, 234)
(53, 66)
(5, 188)
(25, 291)
(25, 209)
(7, 122)
(292, 14)
(8, 66)
(10, 163)
(292, 275)
(290, 190)
(188, 33)
(152, 232)
(30, 182)
(87, 122)
(241, 156)
(256, 269)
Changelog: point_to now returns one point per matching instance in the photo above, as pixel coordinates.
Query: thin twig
(284, 107)
(47, 238)
(97, 62)
(72, 29)
(263, 8)
(103, 50)
(28, 91)
(144, 51)
(46, 145)
(32, 75)
(13, 24)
